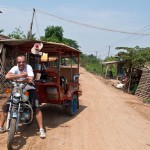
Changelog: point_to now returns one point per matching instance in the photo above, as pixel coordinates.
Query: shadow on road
(53, 116)
(25, 132)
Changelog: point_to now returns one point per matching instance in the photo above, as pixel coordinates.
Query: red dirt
(108, 119)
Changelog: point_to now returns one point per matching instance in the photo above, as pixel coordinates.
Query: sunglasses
(19, 62)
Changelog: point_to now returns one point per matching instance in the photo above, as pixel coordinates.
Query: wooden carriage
(56, 69)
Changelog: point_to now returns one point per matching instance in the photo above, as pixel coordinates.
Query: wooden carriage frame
(11, 48)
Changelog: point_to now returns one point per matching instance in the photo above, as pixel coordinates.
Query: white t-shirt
(28, 69)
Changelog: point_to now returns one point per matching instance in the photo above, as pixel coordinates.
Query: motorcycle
(20, 110)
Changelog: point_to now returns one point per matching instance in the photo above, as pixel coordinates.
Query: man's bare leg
(2, 121)
(39, 118)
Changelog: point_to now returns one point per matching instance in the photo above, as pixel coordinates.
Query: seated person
(63, 82)
(43, 75)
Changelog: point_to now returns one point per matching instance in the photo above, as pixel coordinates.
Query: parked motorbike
(20, 110)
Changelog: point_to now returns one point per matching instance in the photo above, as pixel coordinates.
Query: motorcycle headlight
(22, 85)
(15, 100)
(14, 84)
(17, 92)
(25, 96)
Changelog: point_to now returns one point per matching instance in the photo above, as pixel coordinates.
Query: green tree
(18, 34)
(53, 34)
(1, 30)
(91, 63)
(134, 57)
(143, 57)
(32, 37)
(71, 43)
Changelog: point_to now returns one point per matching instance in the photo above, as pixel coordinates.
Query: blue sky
(130, 16)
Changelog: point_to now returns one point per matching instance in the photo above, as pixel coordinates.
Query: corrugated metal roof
(113, 62)
(26, 45)
(3, 37)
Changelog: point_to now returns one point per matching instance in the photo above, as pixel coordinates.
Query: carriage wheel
(73, 105)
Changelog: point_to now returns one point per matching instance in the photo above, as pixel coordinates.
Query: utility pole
(96, 54)
(109, 51)
(30, 31)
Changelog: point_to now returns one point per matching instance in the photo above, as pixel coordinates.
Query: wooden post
(130, 78)
(30, 31)
(3, 59)
(106, 71)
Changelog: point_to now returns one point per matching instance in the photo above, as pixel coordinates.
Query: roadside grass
(146, 101)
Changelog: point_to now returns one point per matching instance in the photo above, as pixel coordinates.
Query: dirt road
(108, 119)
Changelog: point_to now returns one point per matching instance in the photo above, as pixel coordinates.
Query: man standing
(24, 72)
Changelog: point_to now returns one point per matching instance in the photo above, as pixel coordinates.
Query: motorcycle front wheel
(11, 133)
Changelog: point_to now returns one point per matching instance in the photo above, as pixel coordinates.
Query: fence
(143, 90)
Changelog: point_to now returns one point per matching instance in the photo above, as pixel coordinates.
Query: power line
(129, 37)
(14, 10)
(91, 26)
(126, 39)
(86, 25)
